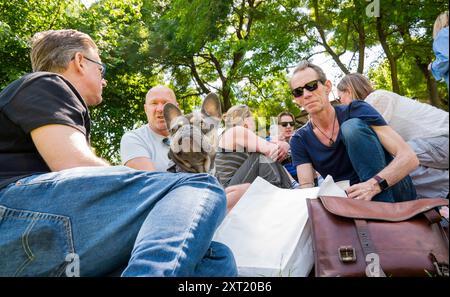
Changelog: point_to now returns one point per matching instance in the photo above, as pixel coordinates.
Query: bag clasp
(347, 254)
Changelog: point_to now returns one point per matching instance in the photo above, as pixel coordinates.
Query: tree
(241, 49)
(19, 20)
(230, 41)
(406, 35)
(336, 28)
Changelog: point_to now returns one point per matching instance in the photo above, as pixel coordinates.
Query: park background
(244, 50)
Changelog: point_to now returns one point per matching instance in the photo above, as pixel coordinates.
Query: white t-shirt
(144, 142)
(409, 118)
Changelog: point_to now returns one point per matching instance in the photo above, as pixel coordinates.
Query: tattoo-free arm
(63, 147)
(305, 174)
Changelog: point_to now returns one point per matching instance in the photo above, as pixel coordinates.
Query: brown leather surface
(402, 240)
(394, 212)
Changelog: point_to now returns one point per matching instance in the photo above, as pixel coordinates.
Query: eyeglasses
(311, 86)
(103, 66)
(285, 124)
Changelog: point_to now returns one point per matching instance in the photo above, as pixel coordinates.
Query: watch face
(383, 184)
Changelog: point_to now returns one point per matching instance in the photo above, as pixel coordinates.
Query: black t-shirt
(35, 100)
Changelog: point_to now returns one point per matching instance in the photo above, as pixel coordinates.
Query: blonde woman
(242, 155)
(422, 126)
(439, 67)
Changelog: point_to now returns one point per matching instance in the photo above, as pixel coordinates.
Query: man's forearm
(401, 166)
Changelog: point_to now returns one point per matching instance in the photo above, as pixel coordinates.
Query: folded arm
(241, 137)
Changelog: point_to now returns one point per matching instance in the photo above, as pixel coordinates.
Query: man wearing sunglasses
(286, 123)
(66, 212)
(349, 142)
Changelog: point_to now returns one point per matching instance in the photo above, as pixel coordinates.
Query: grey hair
(307, 64)
(54, 49)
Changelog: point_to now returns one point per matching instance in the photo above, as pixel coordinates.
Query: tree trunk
(226, 97)
(325, 44)
(392, 63)
(361, 38)
(433, 95)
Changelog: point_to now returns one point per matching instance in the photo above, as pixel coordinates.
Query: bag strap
(440, 263)
(366, 242)
(432, 216)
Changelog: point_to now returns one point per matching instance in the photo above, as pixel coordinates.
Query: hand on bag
(363, 191)
(234, 193)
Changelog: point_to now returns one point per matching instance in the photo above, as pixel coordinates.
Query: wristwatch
(381, 182)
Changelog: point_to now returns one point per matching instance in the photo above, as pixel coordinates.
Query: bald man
(146, 148)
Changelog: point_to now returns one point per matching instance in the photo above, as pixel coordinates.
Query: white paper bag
(268, 230)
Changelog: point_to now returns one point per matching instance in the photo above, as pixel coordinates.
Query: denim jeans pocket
(36, 179)
(34, 243)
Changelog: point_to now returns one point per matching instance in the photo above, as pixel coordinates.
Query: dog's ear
(171, 112)
(211, 106)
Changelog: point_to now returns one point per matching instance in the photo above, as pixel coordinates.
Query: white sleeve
(132, 146)
(384, 102)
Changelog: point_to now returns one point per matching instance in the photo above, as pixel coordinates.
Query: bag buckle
(347, 254)
(441, 269)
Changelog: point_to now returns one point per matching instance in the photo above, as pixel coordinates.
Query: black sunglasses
(311, 86)
(285, 124)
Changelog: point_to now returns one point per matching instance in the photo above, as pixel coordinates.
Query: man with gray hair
(147, 147)
(60, 203)
(349, 142)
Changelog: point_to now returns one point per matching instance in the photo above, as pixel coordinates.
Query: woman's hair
(285, 113)
(357, 84)
(441, 22)
(53, 50)
(236, 115)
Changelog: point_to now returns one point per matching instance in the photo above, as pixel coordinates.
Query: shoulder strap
(366, 243)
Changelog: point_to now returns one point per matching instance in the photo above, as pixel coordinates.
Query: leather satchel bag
(367, 238)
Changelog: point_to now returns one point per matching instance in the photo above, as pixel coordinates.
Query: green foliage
(19, 20)
(238, 48)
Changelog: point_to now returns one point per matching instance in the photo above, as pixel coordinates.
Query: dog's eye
(177, 124)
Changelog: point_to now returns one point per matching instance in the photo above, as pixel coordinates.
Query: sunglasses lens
(298, 92)
(285, 124)
(311, 86)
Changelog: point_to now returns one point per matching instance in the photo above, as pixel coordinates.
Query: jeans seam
(69, 241)
(26, 248)
(47, 181)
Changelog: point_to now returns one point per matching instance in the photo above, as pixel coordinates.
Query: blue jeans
(369, 157)
(151, 223)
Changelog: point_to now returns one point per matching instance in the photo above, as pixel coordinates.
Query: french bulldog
(193, 137)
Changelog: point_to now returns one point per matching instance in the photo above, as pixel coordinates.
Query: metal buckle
(441, 269)
(347, 254)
